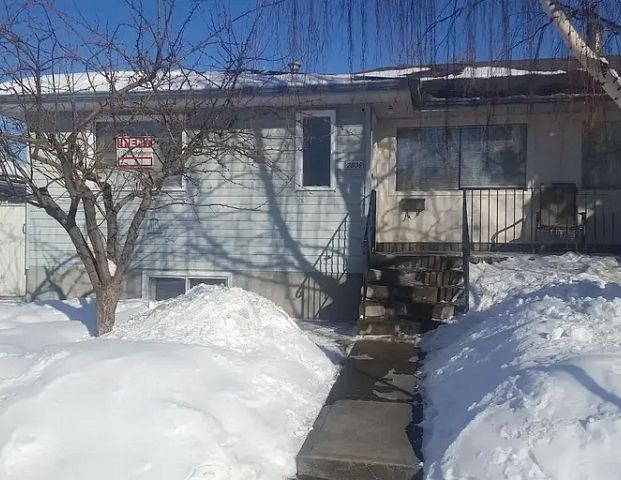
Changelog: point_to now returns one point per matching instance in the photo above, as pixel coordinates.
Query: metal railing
(466, 250)
(368, 246)
(514, 219)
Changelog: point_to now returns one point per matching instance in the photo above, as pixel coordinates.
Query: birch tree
(596, 65)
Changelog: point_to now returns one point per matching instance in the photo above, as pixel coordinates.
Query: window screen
(493, 156)
(427, 158)
(164, 145)
(164, 287)
(221, 282)
(601, 155)
(316, 151)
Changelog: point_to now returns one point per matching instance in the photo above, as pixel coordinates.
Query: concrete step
(393, 326)
(374, 308)
(398, 292)
(403, 277)
(417, 261)
(420, 294)
(416, 310)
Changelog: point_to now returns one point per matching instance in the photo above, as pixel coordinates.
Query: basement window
(162, 286)
(315, 145)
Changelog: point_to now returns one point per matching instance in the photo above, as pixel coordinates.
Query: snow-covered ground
(528, 384)
(218, 384)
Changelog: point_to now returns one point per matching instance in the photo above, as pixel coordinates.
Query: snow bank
(528, 384)
(217, 384)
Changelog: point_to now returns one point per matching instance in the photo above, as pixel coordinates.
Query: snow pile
(528, 384)
(218, 384)
(225, 317)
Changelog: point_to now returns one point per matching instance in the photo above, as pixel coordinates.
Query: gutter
(353, 87)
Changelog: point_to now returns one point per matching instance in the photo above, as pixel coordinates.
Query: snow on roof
(100, 82)
(488, 71)
(396, 72)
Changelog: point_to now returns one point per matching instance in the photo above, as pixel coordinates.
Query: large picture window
(486, 156)
(601, 155)
(164, 145)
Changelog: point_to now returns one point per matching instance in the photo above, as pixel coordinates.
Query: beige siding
(554, 151)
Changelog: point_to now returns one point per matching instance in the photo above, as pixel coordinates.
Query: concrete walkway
(368, 427)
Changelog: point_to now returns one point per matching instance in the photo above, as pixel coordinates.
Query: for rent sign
(134, 151)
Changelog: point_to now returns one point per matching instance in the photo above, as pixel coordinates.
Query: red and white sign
(134, 151)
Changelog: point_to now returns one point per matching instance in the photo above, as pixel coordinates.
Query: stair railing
(466, 250)
(368, 246)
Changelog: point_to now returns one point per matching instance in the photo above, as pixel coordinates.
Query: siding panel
(247, 216)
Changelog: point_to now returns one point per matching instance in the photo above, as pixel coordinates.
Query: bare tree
(140, 88)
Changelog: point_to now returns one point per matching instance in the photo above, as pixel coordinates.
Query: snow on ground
(219, 384)
(528, 384)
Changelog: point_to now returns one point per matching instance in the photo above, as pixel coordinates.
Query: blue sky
(334, 58)
(335, 54)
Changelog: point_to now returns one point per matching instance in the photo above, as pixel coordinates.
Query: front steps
(407, 293)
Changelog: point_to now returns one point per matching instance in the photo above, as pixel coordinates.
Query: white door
(12, 250)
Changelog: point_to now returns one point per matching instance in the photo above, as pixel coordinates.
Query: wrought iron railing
(368, 245)
(466, 250)
(515, 219)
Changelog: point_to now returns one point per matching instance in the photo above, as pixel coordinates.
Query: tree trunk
(596, 65)
(107, 299)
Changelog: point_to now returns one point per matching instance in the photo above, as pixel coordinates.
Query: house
(523, 151)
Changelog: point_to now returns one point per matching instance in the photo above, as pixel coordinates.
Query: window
(448, 158)
(493, 156)
(164, 288)
(163, 148)
(220, 282)
(427, 158)
(601, 155)
(165, 285)
(315, 150)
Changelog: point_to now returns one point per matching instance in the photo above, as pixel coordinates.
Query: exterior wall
(257, 226)
(300, 294)
(554, 153)
(12, 251)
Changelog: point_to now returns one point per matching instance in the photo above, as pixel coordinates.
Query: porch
(547, 218)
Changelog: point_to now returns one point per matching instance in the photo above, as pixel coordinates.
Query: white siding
(259, 221)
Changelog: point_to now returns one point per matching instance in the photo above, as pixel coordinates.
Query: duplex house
(525, 154)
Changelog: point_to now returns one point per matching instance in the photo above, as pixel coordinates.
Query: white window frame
(184, 274)
(184, 141)
(299, 150)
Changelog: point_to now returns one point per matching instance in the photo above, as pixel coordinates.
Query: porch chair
(557, 219)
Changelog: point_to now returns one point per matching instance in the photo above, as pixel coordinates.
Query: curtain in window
(427, 158)
(493, 156)
(467, 157)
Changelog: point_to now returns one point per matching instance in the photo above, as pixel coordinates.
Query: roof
(539, 77)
